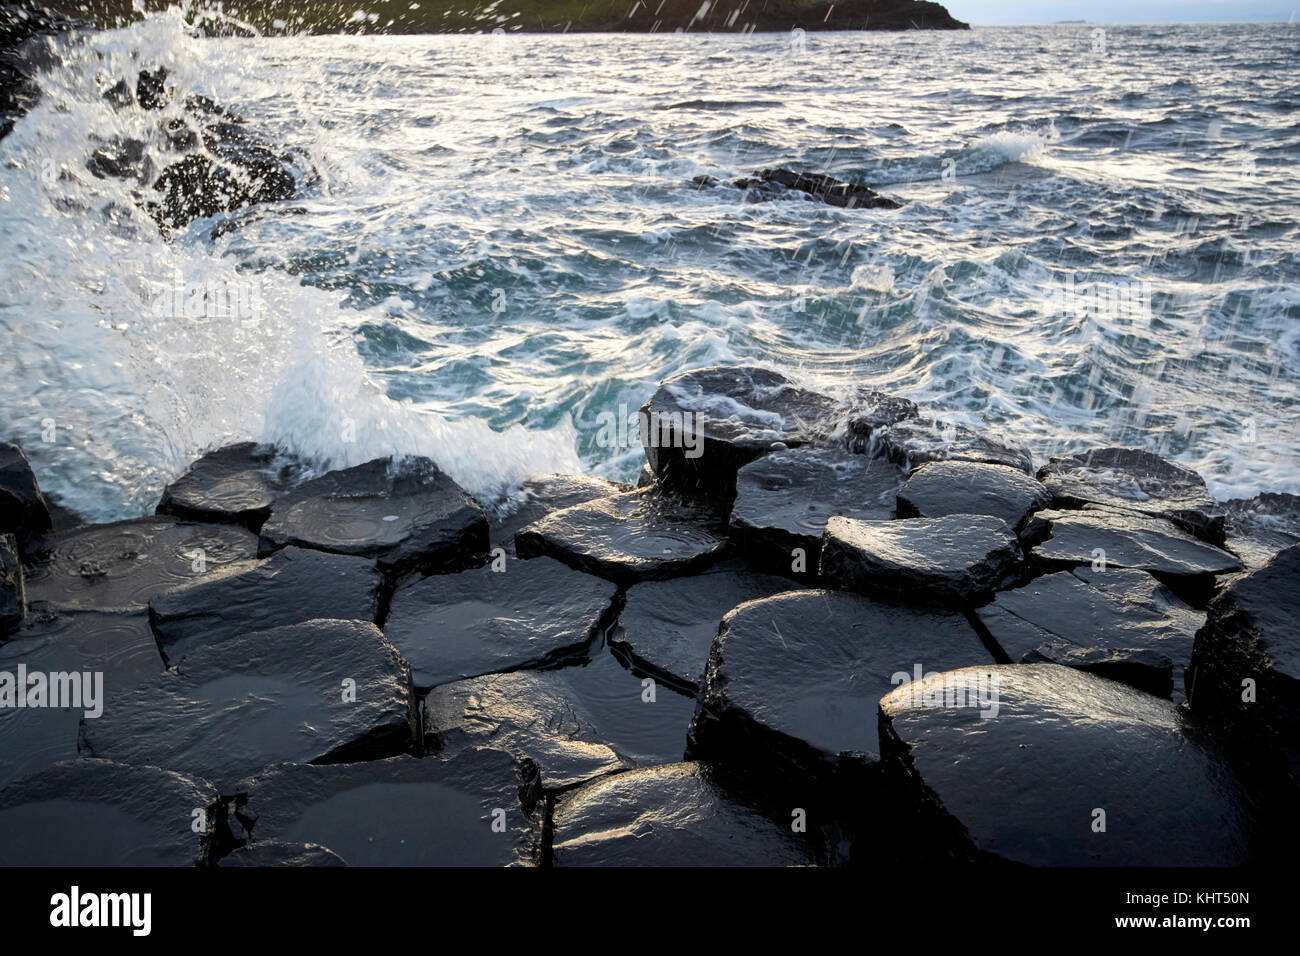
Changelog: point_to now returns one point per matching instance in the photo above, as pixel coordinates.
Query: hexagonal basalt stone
(784, 499)
(668, 816)
(237, 483)
(521, 613)
(407, 514)
(634, 536)
(1134, 480)
(541, 495)
(942, 488)
(793, 680)
(957, 559)
(1051, 766)
(914, 441)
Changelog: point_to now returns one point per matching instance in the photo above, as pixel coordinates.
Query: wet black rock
(700, 427)
(125, 564)
(941, 488)
(406, 513)
(118, 646)
(1064, 769)
(632, 536)
(13, 596)
(294, 585)
(479, 808)
(237, 483)
(120, 158)
(499, 618)
(1133, 480)
(793, 681)
(85, 813)
(784, 499)
(1094, 536)
(1245, 671)
(956, 559)
(1258, 528)
(914, 441)
(319, 692)
(275, 853)
(1120, 624)
(27, 33)
(667, 627)
(540, 496)
(668, 816)
(23, 510)
(770, 184)
(531, 714)
(196, 187)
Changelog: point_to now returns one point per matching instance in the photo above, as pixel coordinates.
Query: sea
(498, 251)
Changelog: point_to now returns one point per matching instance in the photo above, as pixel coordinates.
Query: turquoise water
(496, 249)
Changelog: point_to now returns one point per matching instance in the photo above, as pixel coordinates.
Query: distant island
(548, 16)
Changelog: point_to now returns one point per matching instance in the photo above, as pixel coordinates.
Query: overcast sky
(1120, 11)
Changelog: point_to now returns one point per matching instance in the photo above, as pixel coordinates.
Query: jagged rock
(1120, 624)
(1026, 781)
(275, 853)
(195, 187)
(23, 510)
(318, 692)
(770, 184)
(1124, 540)
(531, 613)
(941, 488)
(294, 585)
(28, 33)
(1245, 670)
(1133, 480)
(85, 813)
(120, 158)
(13, 596)
(628, 537)
(237, 483)
(957, 559)
(125, 564)
(542, 495)
(1258, 528)
(403, 811)
(531, 714)
(914, 441)
(793, 680)
(702, 426)
(408, 514)
(119, 646)
(668, 816)
(784, 499)
(667, 627)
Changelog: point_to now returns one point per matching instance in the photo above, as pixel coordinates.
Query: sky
(1120, 11)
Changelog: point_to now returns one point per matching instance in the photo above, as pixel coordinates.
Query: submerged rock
(1120, 624)
(793, 680)
(125, 564)
(237, 483)
(632, 536)
(531, 714)
(293, 586)
(1133, 480)
(770, 184)
(668, 816)
(1245, 671)
(1069, 770)
(1256, 529)
(13, 595)
(407, 514)
(107, 654)
(667, 627)
(914, 441)
(318, 692)
(479, 808)
(956, 559)
(23, 510)
(541, 495)
(942, 488)
(528, 614)
(1101, 537)
(85, 813)
(784, 499)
